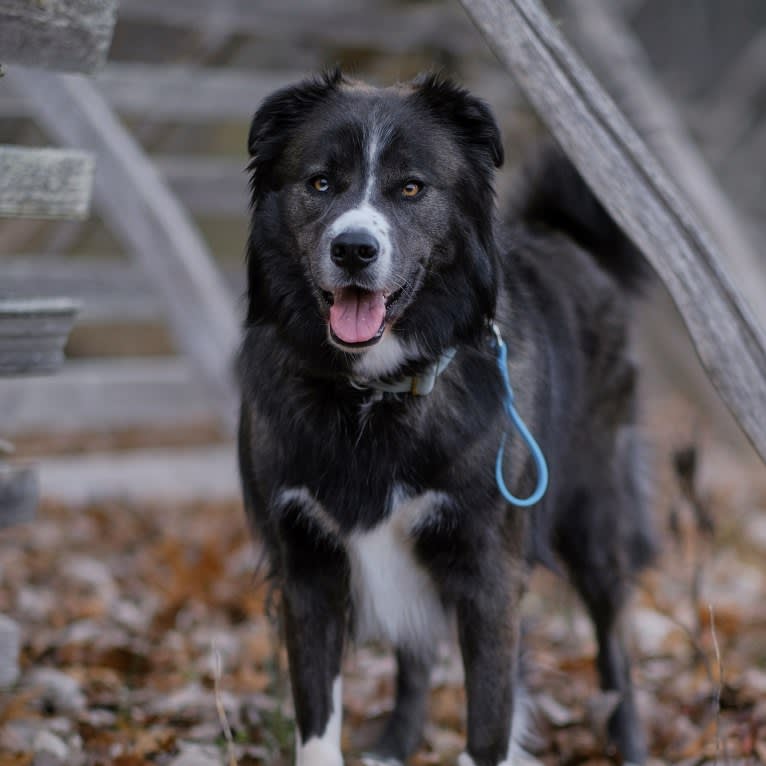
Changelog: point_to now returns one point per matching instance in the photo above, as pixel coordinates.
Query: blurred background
(184, 79)
(132, 438)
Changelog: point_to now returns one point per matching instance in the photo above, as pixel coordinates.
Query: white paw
(370, 759)
(318, 752)
(518, 757)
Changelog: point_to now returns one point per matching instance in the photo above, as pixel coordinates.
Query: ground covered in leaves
(145, 639)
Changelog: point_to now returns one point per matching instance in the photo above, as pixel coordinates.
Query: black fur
(323, 460)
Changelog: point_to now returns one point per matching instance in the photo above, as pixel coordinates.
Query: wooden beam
(106, 395)
(33, 334)
(65, 35)
(143, 213)
(619, 61)
(194, 94)
(403, 28)
(208, 186)
(637, 192)
(188, 94)
(172, 93)
(107, 290)
(45, 183)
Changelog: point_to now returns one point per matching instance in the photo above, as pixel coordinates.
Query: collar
(417, 385)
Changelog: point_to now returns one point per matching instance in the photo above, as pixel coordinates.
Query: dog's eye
(412, 189)
(320, 183)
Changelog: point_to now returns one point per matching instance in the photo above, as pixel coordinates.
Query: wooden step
(33, 333)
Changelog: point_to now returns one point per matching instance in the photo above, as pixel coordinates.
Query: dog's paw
(518, 757)
(465, 760)
(371, 759)
(316, 752)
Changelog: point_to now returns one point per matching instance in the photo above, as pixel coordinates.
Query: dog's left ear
(472, 121)
(275, 120)
(471, 116)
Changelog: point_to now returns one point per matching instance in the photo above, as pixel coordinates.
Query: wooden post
(637, 192)
(617, 58)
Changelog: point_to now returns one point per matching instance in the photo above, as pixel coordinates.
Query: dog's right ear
(275, 119)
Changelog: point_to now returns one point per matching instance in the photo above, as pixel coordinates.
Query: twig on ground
(224, 721)
(720, 745)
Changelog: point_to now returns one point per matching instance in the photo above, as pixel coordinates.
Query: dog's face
(384, 200)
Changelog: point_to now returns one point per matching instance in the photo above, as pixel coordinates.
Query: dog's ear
(472, 121)
(274, 121)
(470, 116)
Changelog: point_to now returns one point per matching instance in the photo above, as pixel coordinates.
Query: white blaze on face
(365, 216)
(324, 750)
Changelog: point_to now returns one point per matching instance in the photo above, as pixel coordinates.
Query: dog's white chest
(395, 598)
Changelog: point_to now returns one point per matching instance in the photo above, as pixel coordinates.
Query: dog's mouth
(358, 317)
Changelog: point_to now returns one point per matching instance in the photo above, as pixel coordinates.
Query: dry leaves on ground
(145, 641)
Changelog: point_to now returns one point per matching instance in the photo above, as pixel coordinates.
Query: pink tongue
(356, 315)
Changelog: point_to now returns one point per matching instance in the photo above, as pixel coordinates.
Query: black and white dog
(373, 405)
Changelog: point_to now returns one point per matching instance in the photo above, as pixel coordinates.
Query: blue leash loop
(532, 445)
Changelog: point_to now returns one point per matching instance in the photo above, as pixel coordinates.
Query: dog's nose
(354, 250)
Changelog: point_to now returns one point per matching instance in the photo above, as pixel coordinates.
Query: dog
(381, 287)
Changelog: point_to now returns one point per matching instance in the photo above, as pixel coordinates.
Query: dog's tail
(554, 196)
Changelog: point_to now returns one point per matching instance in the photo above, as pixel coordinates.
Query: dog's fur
(380, 512)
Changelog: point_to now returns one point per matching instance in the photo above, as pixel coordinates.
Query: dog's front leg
(314, 605)
(488, 632)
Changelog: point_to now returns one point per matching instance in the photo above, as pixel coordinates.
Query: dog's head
(372, 216)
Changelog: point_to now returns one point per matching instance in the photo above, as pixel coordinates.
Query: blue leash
(534, 448)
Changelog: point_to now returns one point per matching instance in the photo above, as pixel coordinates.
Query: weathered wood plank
(143, 213)
(105, 395)
(638, 193)
(188, 94)
(19, 497)
(172, 93)
(415, 26)
(207, 185)
(65, 35)
(617, 58)
(45, 183)
(107, 290)
(33, 334)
